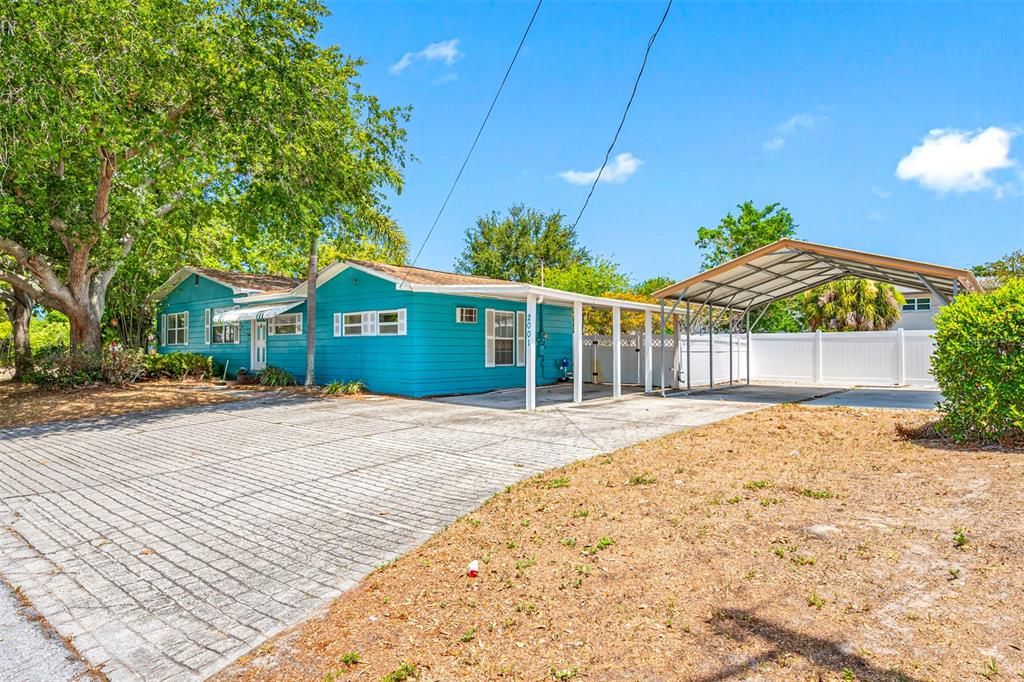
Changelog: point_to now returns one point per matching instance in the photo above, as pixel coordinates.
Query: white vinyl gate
(886, 358)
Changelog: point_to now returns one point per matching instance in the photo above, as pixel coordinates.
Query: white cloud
(446, 51)
(875, 216)
(950, 160)
(617, 172)
(881, 193)
(446, 78)
(790, 127)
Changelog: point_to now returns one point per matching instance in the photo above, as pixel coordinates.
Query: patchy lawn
(791, 543)
(23, 405)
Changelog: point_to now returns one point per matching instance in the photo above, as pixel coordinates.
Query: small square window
(465, 315)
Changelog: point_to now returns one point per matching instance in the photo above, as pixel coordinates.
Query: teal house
(401, 330)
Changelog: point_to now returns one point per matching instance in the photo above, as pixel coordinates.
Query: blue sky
(815, 106)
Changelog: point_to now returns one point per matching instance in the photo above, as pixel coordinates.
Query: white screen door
(259, 345)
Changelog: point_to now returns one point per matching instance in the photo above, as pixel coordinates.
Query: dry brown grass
(792, 543)
(23, 405)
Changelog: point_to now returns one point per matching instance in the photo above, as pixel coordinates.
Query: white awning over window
(254, 312)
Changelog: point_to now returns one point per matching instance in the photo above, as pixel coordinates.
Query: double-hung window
(502, 338)
(917, 304)
(288, 323)
(359, 324)
(223, 332)
(391, 322)
(176, 329)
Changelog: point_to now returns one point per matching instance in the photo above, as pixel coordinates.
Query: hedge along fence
(979, 364)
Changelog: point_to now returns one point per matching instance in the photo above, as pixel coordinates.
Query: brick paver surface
(166, 545)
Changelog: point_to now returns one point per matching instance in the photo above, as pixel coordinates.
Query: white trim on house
(184, 273)
(207, 323)
(520, 338)
(172, 329)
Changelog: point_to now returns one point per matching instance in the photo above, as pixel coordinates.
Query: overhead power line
(478, 133)
(636, 84)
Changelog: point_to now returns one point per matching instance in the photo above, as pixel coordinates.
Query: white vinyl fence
(888, 358)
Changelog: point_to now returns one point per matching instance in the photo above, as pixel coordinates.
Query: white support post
(687, 345)
(748, 347)
(531, 352)
(616, 352)
(649, 354)
(711, 348)
(901, 357)
(676, 353)
(577, 352)
(819, 360)
(730, 348)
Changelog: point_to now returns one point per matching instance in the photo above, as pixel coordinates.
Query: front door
(259, 345)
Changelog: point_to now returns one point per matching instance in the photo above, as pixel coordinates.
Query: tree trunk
(311, 312)
(19, 311)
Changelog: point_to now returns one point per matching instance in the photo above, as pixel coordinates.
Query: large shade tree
(114, 114)
(749, 229)
(520, 245)
(324, 178)
(852, 304)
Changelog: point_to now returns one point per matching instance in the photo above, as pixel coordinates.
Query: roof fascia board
(520, 291)
(181, 275)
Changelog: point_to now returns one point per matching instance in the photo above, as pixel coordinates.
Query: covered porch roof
(788, 267)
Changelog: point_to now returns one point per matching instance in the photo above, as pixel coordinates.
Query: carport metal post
(531, 351)
(687, 345)
(748, 346)
(730, 348)
(577, 352)
(711, 348)
(616, 352)
(649, 354)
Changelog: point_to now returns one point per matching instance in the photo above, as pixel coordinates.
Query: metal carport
(746, 285)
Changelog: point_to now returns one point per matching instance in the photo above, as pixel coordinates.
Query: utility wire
(636, 84)
(478, 134)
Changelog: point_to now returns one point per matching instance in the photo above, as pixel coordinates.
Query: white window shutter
(337, 324)
(186, 328)
(207, 320)
(489, 338)
(401, 322)
(298, 323)
(369, 323)
(520, 339)
(163, 330)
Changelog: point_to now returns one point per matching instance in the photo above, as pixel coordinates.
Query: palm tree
(852, 305)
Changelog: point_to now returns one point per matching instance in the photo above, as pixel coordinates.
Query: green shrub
(124, 365)
(354, 387)
(275, 376)
(979, 364)
(180, 366)
(63, 371)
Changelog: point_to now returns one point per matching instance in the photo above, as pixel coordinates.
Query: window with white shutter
(207, 315)
(488, 338)
(337, 324)
(521, 339)
(163, 330)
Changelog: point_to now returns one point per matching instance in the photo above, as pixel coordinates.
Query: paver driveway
(165, 545)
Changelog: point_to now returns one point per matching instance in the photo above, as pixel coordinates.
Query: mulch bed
(791, 543)
(25, 405)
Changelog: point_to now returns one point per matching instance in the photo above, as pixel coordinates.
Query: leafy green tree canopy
(594, 277)
(114, 115)
(751, 229)
(513, 246)
(852, 305)
(1010, 266)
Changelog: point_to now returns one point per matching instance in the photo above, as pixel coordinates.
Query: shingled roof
(424, 276)
(253, 282)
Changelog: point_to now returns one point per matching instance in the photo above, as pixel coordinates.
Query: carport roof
(788, 267)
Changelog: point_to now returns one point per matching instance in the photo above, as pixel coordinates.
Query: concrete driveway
(164, 545)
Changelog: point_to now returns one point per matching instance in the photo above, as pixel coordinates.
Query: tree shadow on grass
(742, 625)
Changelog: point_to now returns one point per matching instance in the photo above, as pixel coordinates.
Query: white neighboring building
(919, 310)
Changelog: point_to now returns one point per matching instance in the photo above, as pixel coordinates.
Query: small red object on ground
(473, 570)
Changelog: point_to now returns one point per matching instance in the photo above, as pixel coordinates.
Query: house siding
(436, 356)
(195, 295)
